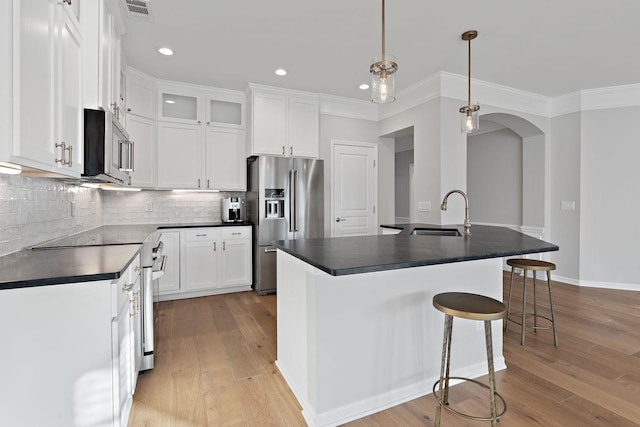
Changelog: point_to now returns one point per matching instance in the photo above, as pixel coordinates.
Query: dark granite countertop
(363, 254)
(29, 268)
(101, 253)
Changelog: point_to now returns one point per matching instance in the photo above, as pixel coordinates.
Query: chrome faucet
(467, 223)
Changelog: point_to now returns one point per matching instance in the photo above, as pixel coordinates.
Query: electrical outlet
(148, 207)
(73, 209)
(568, 205)
(424, 206)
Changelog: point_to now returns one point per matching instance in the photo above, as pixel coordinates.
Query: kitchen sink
(436, 232)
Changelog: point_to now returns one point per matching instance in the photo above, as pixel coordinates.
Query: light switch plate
(424, 206)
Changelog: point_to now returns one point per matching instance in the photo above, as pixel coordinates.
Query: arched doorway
(506, 173)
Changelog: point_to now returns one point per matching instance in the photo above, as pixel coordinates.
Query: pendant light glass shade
(383, 74)
(469, 119)
(383, 79)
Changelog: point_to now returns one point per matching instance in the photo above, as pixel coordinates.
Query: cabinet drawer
(201, 234)
(228, 233)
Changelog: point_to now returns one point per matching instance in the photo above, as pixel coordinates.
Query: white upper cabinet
(47, 87)
(142, 132)
(141, 94)
(102, 30)
(283, 123)
(225, 161)
(269, 124)
(304, 126)
(179, 105)
(225, 110)
(179, 156)
(201, 141)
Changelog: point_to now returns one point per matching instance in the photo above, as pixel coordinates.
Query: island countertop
(363, 254)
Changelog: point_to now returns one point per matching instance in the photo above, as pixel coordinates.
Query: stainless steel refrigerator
(285, 200)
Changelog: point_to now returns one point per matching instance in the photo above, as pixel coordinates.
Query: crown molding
(424, 91)
(610, 97)
(332, 105)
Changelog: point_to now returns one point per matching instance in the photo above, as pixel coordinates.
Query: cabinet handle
(67, 2)
(208, 123)
(214, 247)
(62, 145)
(207, 182)
(199, 122)
(266, 251)
(236, 234)
(291, 151)
(283, 150)
(201, 235)
(128, 110)
(70, 151)
(224, 246)
(198, 182)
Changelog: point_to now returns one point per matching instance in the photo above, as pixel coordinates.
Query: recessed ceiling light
(363, 86)
(165, 51)
(281, 72)
(170, 101)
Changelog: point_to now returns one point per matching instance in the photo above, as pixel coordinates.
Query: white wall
(402, 185)
(425, 120)
(494, 177)
(609, 196)
(533, 181)
(565, 186)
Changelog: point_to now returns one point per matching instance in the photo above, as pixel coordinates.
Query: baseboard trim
(363, 408)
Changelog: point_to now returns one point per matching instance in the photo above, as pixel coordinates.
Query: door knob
(340, 219)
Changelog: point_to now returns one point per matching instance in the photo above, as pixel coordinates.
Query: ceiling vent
(138, 9)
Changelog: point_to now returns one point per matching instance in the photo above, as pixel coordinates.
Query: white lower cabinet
(213, 260)
(235, 257)
(68, 352)
(170, 281)
(127, 348)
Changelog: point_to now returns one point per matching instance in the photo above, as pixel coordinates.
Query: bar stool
(474, 307)
(533, 265)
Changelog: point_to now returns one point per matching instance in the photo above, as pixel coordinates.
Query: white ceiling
(549, 47)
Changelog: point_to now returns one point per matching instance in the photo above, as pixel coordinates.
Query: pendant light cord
(468, 74)
(383, 30)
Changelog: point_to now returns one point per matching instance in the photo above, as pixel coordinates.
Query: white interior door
(354, 182)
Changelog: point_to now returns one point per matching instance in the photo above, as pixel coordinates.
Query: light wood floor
(215, 367)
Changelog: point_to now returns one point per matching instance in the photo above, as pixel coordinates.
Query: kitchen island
(357, 332)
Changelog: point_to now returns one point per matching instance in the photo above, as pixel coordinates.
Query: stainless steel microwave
(108, 152)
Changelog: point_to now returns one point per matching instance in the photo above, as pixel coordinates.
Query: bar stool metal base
(473, 307)
(462, 414)
(530, 265)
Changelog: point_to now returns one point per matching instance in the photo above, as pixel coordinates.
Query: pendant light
(469, 121)
(383, 74)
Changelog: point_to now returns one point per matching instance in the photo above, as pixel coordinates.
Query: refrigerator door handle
(292, 200)
(295, 200)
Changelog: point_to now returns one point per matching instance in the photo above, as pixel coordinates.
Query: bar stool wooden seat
(474, 307)
(533, 265)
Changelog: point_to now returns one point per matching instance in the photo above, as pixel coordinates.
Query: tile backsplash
(161, 207)
(34, 210)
